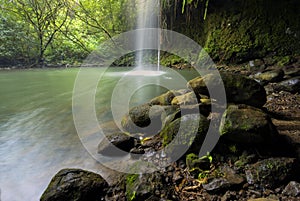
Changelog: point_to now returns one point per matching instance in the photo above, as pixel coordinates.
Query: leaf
(205, 11)
(183, 5)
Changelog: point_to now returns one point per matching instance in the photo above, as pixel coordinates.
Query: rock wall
(236, 31)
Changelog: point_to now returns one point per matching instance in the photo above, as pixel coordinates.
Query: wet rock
(229, 179)
(217, 184)
(238, 88)
(185, 99)
(269, 76)
(292, 189)
(146, 118)
(75, 185)
(136, 152)
(116, 142)
(246, 124)
(166, 98)
(185, 134)
(270, 172)
(291, 85)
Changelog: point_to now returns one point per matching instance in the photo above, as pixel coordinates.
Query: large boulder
(246, 124)
(185, 133)
(271, 172)
(229, 179)
(116, 144)
(238, 88)
(75, 185)
(147, 119)
(148, 187)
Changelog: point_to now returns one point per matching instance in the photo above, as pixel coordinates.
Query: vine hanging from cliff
(171, 8)
(188, 4)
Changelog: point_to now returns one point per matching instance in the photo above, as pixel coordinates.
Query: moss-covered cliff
(236, 31)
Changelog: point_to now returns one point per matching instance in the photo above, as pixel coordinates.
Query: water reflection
(37, 132)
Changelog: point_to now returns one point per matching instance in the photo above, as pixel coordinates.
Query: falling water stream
(148, 17)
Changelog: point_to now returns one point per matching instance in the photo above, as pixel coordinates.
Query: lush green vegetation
(36, 32)
(60, 32)
(236, 31)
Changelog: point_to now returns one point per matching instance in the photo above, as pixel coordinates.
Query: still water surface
(37, 132)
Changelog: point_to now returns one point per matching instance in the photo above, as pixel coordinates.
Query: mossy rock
(147, 119)
(246, 124)
(76, 185)
(223, 178)
(271, 172)
(142, 186)
(238, 88)
(185, 99)
(185, 133)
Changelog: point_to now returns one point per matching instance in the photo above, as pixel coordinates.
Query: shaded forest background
(63, 32)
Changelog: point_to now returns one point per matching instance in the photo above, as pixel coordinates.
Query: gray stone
(116, 144)
(185, 99)
(246, 124)
(75, 185)
(144, 186)
(292, 189)
(270, 172)
(217, 184)
(238, 88)
(230, 179)
(146, 118)
(185, 133)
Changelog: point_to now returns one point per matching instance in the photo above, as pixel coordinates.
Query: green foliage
(285, 60)
(15, 44)
(59, 31)
(130, 180)
(208, 157)
(195, 3)
(203, 174)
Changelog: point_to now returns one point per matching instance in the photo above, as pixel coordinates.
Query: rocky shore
(256, 157)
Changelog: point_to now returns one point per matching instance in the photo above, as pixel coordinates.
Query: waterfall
(148, 16)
